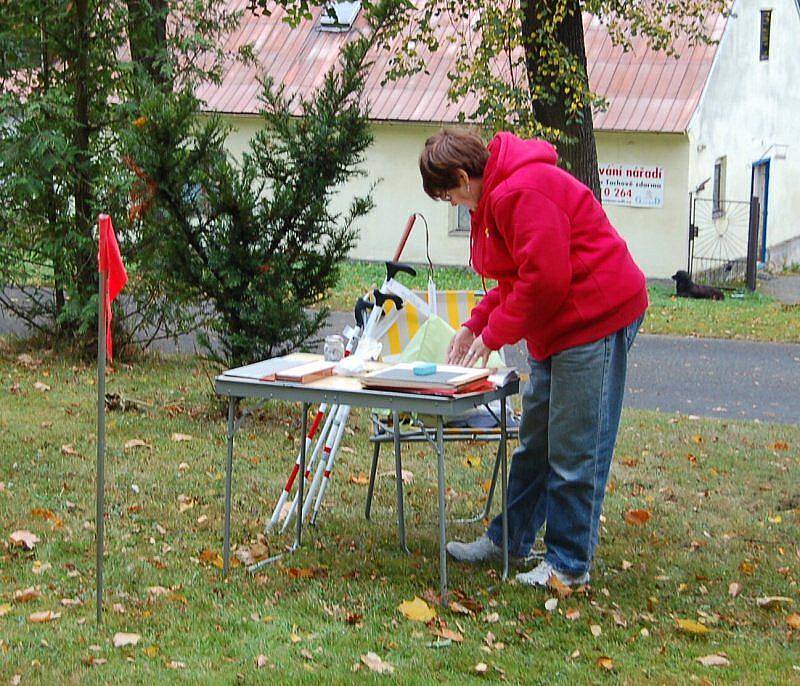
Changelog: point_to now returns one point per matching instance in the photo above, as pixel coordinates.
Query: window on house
(461, 223)
(339, 16)
(718, 195)
(766, 20)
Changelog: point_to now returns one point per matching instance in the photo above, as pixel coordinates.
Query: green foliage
(66, 98)
(257, 241)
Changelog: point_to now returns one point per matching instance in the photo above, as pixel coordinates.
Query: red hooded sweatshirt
(565, 276)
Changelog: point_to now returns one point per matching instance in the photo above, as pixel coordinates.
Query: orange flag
(110, 263)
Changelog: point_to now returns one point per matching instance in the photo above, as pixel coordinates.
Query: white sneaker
(480, 550)
(540, 576)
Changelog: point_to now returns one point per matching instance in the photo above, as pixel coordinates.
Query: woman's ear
(463, 178)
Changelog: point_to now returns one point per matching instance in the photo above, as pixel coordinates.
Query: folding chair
(454, 307)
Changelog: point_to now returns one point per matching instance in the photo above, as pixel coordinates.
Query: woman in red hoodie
(568, 286)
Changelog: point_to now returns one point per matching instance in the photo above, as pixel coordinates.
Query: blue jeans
(570, 416)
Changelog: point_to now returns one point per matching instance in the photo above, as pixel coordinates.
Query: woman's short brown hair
(444, 154)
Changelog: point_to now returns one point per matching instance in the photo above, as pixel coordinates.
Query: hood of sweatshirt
(508, 153)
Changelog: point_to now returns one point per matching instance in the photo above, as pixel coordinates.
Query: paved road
(705, 377)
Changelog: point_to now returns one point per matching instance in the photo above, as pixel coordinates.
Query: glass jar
(334, 348)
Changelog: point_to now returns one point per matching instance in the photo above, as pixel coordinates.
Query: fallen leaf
(793, 620)
(261, 661)
(714, 660)
(458, 608)
(448, 634)
(43, 387)
(491, 618)
(734, 589)
(690, 626)
(771, 602)
(175, 664)
(360, 480)
(122, 639)
(626, 565)
(596, 630)
(27, 594)
(481, 668)
(697, 439)
(471, 462)
(42, 617)
(417, 610)
(137, 443)
(572, 614)
(375, 664)
(40, 567)
(307, 572)
(605, 662)
(551, 604)
(47, 515)
(23, 539)
(210, 558)
(637, 517)
(780, 446)
(154, 592)
(561, 589)
(181, 437)
(69, 449)
(5, 608)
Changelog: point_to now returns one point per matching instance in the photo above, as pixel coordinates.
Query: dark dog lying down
(686, 288)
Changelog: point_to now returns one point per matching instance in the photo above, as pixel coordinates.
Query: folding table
(341, 390)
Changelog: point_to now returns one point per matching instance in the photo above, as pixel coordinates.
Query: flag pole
(101, 434)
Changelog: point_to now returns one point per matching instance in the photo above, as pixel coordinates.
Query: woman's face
(467, 193)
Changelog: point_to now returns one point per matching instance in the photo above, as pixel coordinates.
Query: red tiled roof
(646, 90)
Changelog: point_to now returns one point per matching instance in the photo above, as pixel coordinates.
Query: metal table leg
(442, 519)
(226, 537)
(504, 482)
(372, 473)
(301, 481)
(398, 471)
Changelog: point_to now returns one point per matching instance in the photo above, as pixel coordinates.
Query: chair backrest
(452, 306)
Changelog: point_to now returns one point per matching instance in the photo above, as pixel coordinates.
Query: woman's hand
(459, 345)
(477, 355)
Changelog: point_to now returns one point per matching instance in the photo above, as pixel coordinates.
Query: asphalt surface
(694, 376)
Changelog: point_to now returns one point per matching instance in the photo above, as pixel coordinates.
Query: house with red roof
(684, 143)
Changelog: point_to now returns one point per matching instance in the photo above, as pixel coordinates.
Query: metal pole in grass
(101, 436)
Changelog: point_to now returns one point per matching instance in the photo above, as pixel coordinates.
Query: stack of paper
(446, 379)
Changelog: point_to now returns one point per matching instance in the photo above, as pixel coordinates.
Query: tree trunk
(579, 155)
(52, 212)
(85, 268)
(147, 35)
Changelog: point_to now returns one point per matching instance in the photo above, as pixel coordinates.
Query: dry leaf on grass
(417, 610)
(447, 634)
(122, 639)
(23, 539)
(793, 620)
(180, 437)
(605, 662)
(176, 664)
(561, 589)
(47, 515)
(714, 660)
(210, 558)
(734, 589)
(360, 480)
(137, 443)
(551, 604)
(690, 626)
(261, 661)
(637, 517)
(5, 608)
(596, 630)
(771, 602)
(69, 449)
(255, 552)
(27, 594)
(572, 614)
(43, 387)
(375, 664)
(42, 617)
(481, 668)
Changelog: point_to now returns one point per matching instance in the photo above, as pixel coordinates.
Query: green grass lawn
(723, 498)
(752, 316)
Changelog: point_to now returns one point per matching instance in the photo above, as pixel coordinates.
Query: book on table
(296, 368)
(446, 378)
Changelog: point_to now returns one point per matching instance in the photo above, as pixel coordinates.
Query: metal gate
(721, 249)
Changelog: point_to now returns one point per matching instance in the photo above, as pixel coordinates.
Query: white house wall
(657, 237)
(749, 111)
